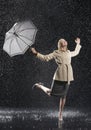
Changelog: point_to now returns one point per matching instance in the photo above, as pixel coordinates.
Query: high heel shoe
(60, 118)
(36, 85)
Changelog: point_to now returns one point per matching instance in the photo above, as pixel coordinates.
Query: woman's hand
(33, 50)
(77, 40)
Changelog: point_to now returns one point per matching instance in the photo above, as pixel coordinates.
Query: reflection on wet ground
(38, 119)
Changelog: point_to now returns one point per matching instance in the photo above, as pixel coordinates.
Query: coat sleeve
(76, 51)
(45, 57)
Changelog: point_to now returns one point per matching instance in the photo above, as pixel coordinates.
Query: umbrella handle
(35, 53)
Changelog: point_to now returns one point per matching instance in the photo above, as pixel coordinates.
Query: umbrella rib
(18, 44)
(25, 29)
(10, 32)
(28, 38)
(23, 41)
(14, 28)
(25, 37)
(10, 46)
(19, 27)
(8, 38)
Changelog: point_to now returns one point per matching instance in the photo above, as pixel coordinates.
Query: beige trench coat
(64, 71)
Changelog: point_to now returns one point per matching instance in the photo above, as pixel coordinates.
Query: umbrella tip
(15, 34)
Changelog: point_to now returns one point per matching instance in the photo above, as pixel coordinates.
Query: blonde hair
(60, 44)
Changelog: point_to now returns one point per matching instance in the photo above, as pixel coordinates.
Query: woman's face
(63, 43)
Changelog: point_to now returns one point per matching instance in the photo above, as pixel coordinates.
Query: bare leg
(61, 106)
(43, 88)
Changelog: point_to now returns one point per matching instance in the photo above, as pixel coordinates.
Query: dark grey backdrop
(54, 19)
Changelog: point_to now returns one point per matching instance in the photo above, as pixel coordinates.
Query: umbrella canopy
(19, 38)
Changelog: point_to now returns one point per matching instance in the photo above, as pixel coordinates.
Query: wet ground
(38, 119)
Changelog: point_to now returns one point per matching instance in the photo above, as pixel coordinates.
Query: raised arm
(41, 56)
(77, 49)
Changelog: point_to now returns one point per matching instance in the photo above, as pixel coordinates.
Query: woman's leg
(43, 88)
(61, 106)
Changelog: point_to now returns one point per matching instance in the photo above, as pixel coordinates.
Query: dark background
(54, 19)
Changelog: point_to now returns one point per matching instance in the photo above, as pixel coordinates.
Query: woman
(64, 73)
